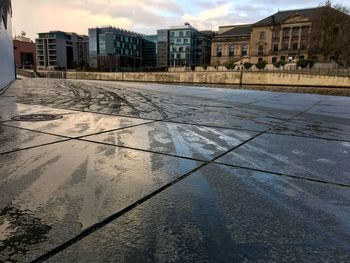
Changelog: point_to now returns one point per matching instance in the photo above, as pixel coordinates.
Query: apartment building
(61, 50)
(7, 68)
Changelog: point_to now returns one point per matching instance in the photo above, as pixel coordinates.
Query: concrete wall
(229, 78)
(7, 68)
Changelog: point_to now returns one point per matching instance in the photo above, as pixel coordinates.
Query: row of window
(232, 50)
(180, 41)
(186, 33)
(180, 56)
(180, 49)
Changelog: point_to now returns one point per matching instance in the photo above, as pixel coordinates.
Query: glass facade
(113, 48)
(189, 47)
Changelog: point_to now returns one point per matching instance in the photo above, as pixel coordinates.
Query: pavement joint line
(42, 132)
(142, 150)
(286, 175)
(35, 146)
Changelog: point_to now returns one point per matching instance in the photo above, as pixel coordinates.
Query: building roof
(236, 30)
(280, 16)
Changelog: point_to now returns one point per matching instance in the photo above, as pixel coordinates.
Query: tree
(330, 33)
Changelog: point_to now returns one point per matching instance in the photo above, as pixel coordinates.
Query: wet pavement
(144, 172)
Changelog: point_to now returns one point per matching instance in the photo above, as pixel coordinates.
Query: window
(188, 33)
(274, 60)
(187, 55)
(231, 51)
(260, 59)
(181, 49)
(178, 40)
(275, 47)
(295, 31)
(219, 51)
(286, 32)
(261, 50)
(295, 46)
(276, 34)
(178, 56)
(301, 57)
(181, 34)
(262, 35)
(185, 41)
(172, 56)
(244, 49)
(285, 45)
(283, 58)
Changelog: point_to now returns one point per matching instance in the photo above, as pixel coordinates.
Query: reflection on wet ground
(154, 172)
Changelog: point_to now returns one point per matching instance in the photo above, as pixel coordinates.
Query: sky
(143, 16)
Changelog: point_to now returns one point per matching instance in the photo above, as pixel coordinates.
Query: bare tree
(330, 33)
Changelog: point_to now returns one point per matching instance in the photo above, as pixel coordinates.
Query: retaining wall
(230, 78)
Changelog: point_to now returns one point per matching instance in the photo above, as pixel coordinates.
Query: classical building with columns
(282, 36)
(285, 35)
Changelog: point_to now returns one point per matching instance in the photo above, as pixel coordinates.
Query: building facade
(60, 50)
(282, 36)
(7, 68)
(114, 49)
(149, 51)
(163, 48)
(24, 52)
(231, 44)
(188, 46)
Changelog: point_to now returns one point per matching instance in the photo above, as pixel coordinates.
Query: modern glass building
(149, 51)
(163, 48)
(188, 46)
(113, 48)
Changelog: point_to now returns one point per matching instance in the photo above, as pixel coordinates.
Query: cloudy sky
(143, 16)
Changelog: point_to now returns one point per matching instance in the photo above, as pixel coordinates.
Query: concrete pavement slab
(52, 193)
(191, 141)
(225, 214)
(316, 125)
(79, 124)
(305, 157)
(12, 139)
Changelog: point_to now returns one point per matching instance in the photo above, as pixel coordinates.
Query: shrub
(247, 65)
(230, 65)
(261, 64)
(302, 63)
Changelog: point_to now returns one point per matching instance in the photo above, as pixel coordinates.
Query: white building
(7, 68)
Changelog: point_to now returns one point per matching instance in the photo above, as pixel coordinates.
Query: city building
(61, 50)
(230, 44)
(114, 49)
(163, 48)
(7, 68)
(284, 36)
(149, 51)
(188, 46)
(24, 52)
